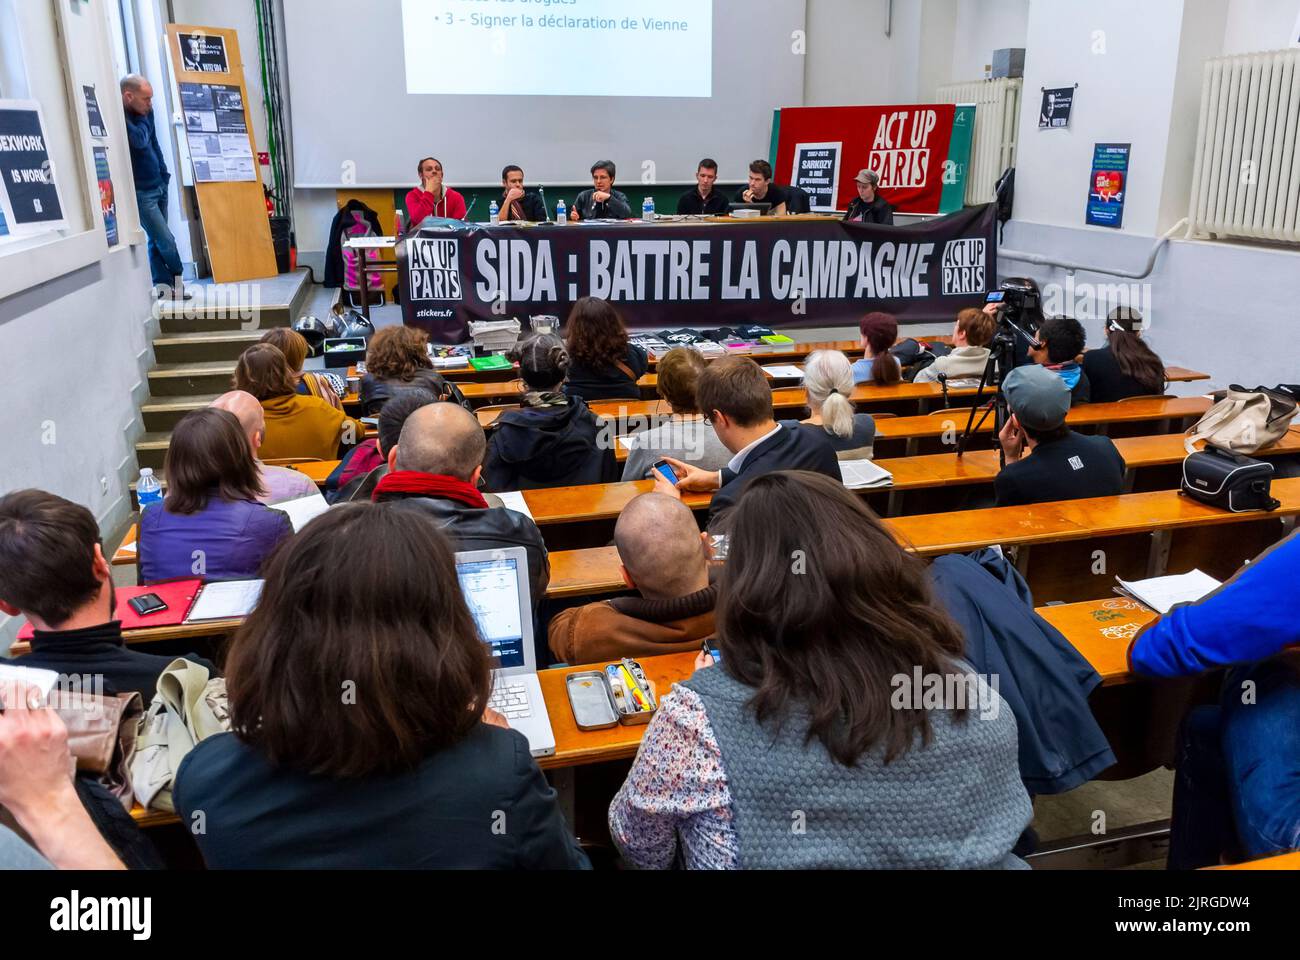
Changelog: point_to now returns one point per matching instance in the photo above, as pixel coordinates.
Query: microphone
(943, 382)
(470, 210)
(541, 193)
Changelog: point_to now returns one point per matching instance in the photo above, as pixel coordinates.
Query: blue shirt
(1253, 616)
(862, 369)
(147, 163)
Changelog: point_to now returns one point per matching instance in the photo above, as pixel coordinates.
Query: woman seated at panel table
(554, 440)
(823, 622)
(603, 365)
(1126, 366)
(828, 379)
(684, 435)
(397, 358)
(296, 425)
(432, 198)
(295, 349)
(414, 770)
(210, 523)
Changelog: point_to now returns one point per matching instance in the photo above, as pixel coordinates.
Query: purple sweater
(234, 537)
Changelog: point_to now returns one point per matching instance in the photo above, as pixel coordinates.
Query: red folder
(177, 594)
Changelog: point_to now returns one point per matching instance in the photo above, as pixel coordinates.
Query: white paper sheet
(43, 680)
(515, 501)
(303, 510)
(1162, 593)
(784, 371)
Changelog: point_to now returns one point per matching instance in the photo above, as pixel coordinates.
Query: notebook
(864, 474)
(495, 362)
(515, 501)
(225, 600)
(177, 594)
(1161, 594)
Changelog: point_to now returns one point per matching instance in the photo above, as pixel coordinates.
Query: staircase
(195, 354)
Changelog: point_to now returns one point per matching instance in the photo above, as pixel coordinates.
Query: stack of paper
(43, 680)
(863, 474)
(1161, 594)
(225, 600)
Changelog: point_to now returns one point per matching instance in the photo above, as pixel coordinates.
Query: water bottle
(494, 213)
(561, 212)
(148, 490)
(648, 209)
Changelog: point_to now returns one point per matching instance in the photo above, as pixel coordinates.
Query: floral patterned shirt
(676, 794)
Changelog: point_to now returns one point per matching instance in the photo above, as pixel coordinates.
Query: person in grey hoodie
(970, 352)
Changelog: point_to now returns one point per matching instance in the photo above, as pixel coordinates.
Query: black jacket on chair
(791, 448)
(438, 816)
(1041, 676)
(334, 249)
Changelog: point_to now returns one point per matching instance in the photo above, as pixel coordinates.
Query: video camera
(1016, 296)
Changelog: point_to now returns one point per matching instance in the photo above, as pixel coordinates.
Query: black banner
(774, 272)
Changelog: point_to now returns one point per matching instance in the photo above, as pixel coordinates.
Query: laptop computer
(495, 585)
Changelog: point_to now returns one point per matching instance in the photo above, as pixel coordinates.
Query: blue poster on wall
(1109, 185)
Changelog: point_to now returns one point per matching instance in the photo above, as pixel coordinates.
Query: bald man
(665, 558)
(436, 467)
(278, 483)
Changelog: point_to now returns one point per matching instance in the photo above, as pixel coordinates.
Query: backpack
(188, 707)
(1244, 421)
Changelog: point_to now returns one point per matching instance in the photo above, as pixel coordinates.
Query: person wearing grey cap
(1064, 465)
(869, 207)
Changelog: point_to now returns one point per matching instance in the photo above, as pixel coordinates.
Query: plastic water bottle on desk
(494, 213)
(561, 212)
(648, 209)
(148, 490)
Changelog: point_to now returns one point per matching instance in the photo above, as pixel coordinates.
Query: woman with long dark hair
(603, 365)
(840, 707)
(878, 365)
(360, 734)
(1126, 366)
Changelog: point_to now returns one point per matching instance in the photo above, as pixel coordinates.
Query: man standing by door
(151, 179)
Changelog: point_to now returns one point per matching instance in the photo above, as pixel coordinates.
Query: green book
(778, 339)
(496, 362)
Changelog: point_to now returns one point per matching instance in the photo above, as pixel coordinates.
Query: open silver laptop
(495, 584)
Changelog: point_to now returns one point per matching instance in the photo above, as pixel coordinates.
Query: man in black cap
(1062, 464)
(869, 207)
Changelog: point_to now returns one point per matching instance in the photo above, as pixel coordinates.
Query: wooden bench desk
(1280, 861)
(1100, 630)
(595, 571)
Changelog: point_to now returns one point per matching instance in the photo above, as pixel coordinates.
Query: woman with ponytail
(1126, 366)
(878, 365)
(828, 378)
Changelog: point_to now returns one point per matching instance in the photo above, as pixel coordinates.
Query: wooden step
(205, 347)
(163, 413)
(187, 379)
(151, 449)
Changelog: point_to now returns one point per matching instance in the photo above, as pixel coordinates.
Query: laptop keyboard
(510, 700)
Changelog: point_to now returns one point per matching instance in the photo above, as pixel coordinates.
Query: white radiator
(997, 118)
(1246, 182)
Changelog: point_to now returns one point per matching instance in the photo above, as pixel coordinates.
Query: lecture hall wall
(77, 348)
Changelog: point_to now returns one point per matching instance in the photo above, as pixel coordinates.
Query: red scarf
(428, 485)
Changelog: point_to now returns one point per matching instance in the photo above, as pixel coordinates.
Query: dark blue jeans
(1237, 788)
(164, 259)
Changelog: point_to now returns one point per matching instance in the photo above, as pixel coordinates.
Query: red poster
(906, 145)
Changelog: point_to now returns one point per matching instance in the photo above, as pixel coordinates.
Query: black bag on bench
(1229, 481)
